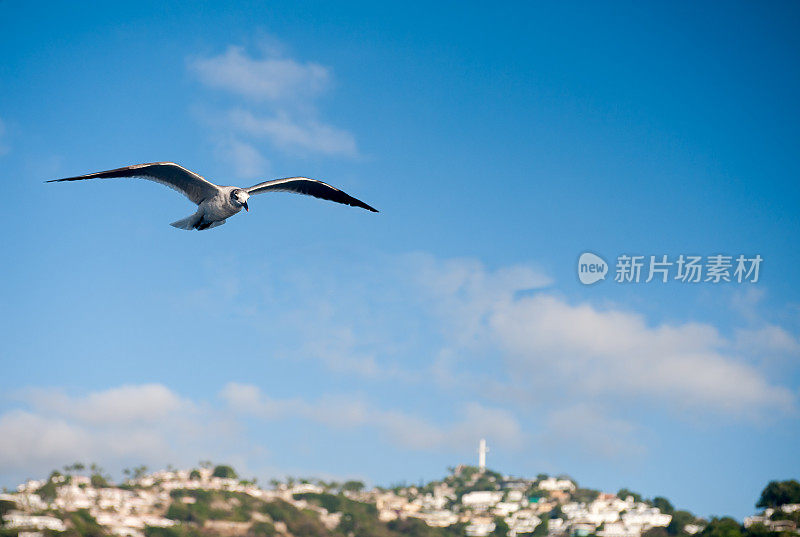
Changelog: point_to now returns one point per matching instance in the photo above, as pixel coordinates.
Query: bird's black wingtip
(353, 202)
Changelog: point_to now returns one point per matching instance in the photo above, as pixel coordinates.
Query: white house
(505, 508)
(618, 529)
(646, 516)
(515, 495)
(552, 483)
(439, 518)
(479, 529)
(523, 521)
(19, 520)
(481, 499)
(307, 488)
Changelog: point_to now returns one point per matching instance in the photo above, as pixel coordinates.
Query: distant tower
(482, 451)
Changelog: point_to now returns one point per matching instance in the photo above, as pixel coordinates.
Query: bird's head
(239, 197)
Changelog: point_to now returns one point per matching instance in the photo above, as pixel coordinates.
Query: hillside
(209, 502)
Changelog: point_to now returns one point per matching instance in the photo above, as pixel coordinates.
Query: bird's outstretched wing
(309, 187)
(170, 174)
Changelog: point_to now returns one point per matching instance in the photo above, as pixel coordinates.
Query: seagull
(215, 204)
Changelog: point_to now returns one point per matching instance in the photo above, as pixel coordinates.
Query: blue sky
(313, 339)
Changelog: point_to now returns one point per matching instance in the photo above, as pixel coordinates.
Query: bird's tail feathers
(190, 222)
(214, 224)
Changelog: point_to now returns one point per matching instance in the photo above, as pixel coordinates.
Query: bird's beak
(245, 207)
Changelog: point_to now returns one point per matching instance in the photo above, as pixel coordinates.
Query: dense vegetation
(212, 505)
(780, 493)
(224, 470)
(81, 524)
(361, 520)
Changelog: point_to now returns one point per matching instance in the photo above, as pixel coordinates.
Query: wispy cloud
(247, 162)
(130, 404)
(581, 426)
(399, 427)
(770, 338)
(593, 352)
(294, 134)
(497, 353)
(271, 78)
(273, 102)
(460, 312)
(151, 424)
(122, 425)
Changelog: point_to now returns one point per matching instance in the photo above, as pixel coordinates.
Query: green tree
(262, 529)
(298, 522)
(173, 531)
(541, 529)
(778, 493)
(99, 481)
(194, 474)
(179, 511)
(98, 478)
(623, 493)
(74, 467)
(679, 521)
(758, 530)
(139, 472)
(47, 491)
(500, 527)
(223, 470)
(722, 527)
(585, 495)
(663, 504)
(353, 486)
(82, 524)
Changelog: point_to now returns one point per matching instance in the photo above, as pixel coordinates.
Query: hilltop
(213, 501)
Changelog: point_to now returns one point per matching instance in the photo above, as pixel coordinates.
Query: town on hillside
(472, 500)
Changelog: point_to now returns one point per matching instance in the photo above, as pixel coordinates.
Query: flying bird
(215, 203)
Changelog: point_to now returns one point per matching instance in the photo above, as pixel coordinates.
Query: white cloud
(32, 443)
(463, 292)
(494, 332)
(295, 134)
(279, 107)
(590, 352)
(746, 301)
(245, 160)
(144, 403)
(583, 428)
(151, 424)
(396, 426)
(507, 365)
(340, 352)
(615, 353)
(28, 440)
(124, 425)
(769, 338)
(267, 79)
